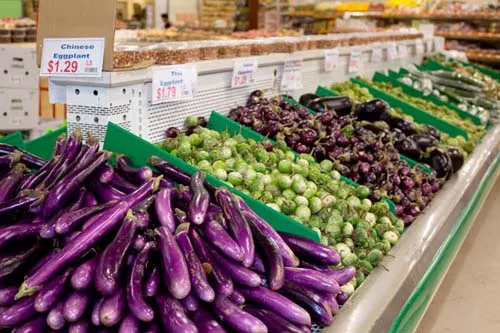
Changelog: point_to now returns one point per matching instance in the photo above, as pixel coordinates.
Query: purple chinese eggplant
(236, 318)
(36, 325)
(173, 316)
(83, 276)
(190, 302)
(220, 239)
(200, 199)
(55, 318)
(70, 220)
(80, 326)
(51, 293)
(152, 282)
(163, 206)
(311, 250)
(274, 322)
(7, 296)
(343, 275)
(134, 175)
(311, 279)
(8, 161)
(18, 313)
(9, 183)
(113, 308)
(135, 297)
(75, 306)
(206, 322)
(129, 324)
(237, 272)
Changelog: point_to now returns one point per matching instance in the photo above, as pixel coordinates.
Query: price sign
(174, 83)
(439, 44)
(72, 57)
(354, 65)
(376, 53)
(419, 47)
(292, 75)
(331, 60)
(244, 72)
(402, 51)
(392, 51)
(429, 45)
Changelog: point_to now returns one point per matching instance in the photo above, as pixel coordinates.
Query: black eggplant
(372, 110)
(424, 141)
(457, 158)
(441, 162)
(306, 99)
(397, 135)
(409, 148)
(407, 127)
(431, 130)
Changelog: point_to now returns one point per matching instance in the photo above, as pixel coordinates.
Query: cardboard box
(18, 68)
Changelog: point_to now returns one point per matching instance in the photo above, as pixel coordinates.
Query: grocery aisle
(467, 300)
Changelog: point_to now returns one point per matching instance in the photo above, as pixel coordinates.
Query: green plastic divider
(419, 115)
(119, 140)
(485, 70)
(415, 306)
(410, 91)
(14, 139)
(44, 145)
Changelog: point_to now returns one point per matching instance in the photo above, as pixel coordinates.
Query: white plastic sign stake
(392, 51)
(331, 60)
(419, 47)
(292, 75)
(57, 93)
(72, 57)
(402, 51)
(244, 72)
(174, 83)
(354, 62)
(376, 53)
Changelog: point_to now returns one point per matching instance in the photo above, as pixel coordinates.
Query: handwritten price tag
(392, 51)
(429, 45)
(72, 57)
(331, 60)
(174, 83)
(244, 72)
(402, 51)
(377, 55)
(292, 75)
(419, 47)
(354, 65)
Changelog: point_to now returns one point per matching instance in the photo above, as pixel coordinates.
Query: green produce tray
(379, 77)
(44, 145)
(119, 140)
(485, 70)
(418, 114)
(14, 139)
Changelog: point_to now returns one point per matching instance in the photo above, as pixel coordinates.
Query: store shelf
(418, 260)
(486, 57)
(476, 36)
(437, 15)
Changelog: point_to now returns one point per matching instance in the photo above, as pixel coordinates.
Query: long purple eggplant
(8, 161)
(258, 264)
(200, 198)
(289, 258)
(220, 239)
(135, 297)
(83, 276)
(139, 242)
(343, 275)
(29, 159)
(332, 303)
(113, 309)
(274, 322)
(310, 249)
(9, 184)
(36, 325)
(105, 192)
(7, 296)
(170, 171)
(272, 255)
(134, 175)
(71, 220)
(152, 283)
(50, 294)
(237, 298)
(105, 174)
(122, 184)
(173, 316)
(237, 272)
(18, 313)
(75, 306)
(311, 279)
(94, 315)
(199, 280)
(129, 324)
(55, 318)
(80, 326)
(18, 232)
(10, 263)
(111, 262)
(190, 302)
(36, 178)
(143, 219)
(277, 303)
(236, 318)
(84, 157)
(23, 201)
(110, 218)
(90, 200)
(163, 206)
(174, 266)
(238, 227)
(323, 268)
(207, 323)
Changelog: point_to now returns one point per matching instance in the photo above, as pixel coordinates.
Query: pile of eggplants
(103, 248)
(364, 154)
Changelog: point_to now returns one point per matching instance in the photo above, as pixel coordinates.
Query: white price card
(292, 75)
(354, 65)
(429, 45)
(402, 51)
(331, 60)
(174, 83)
(392, 51)
(419, 47)
(72, 57)
(439, 44)
(244, 72)
(376, 53)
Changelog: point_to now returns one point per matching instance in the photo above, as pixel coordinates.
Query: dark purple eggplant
(339, 105)
(440, 161)
(277, 303)
(105, 174)
(8, 161)
(27, 158)
(311, 249)
(83, 276)
(23, 201)
(37, 325)
(122, 184)
(457, 158)
(132, 174)
(258, 264)
(190, 302)
(406, 126)
(51, 293)
(199, 280)
(55, 318)
(311, 279)
(274, 322)
(104, 192)
(173, 316)
(424, 141)
(323, 268)
(9, 184)
(409, 148)
(174, 266)
(90, 200)
(135, 297)
(431, 130)
(19, 232)
(11, 263)
(72, 219)
(220, 239)
(236, 318)
(163, 206)
(372, 110)
(18, 313)
(129, 324)
(237, 298)
(341, 298)
(237, 272)
(200, 198)
(206, 323)
(343, 275)
(152, 283)
(289, 258)
(94, 316)
(238, 226)
(311, 301)
(306, 99)
(75, 306)
(113, 309)
(170, 171)
(7, 296)
(111, 262)
(80, 326)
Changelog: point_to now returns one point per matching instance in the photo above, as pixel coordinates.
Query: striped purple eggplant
(190, 302)
(206, 322)
(129, 324)
(152, 282)
(173, 316)
(51, 292)
(9, 184)
(236, 318)
(75, 306)
(83, 276)
(36, 325)
(18, 313)
(55, 318)
(274, 322)
(113, 308)
(200, 198)
(309, 249)
(8, 161)
(220, 239)
(132, 174)
(311, 279)
(163, 206)
(135, 296)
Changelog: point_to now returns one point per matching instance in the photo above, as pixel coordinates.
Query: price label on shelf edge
(377, 55)
(174, 83)
(292, 75)
(331, 60)
(354, 65)
(402, 51)
(244, 72)
(419, 47)
(72, 57)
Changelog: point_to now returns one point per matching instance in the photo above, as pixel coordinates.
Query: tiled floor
(469, 297)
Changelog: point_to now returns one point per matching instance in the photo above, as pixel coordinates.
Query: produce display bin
(15, 139)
